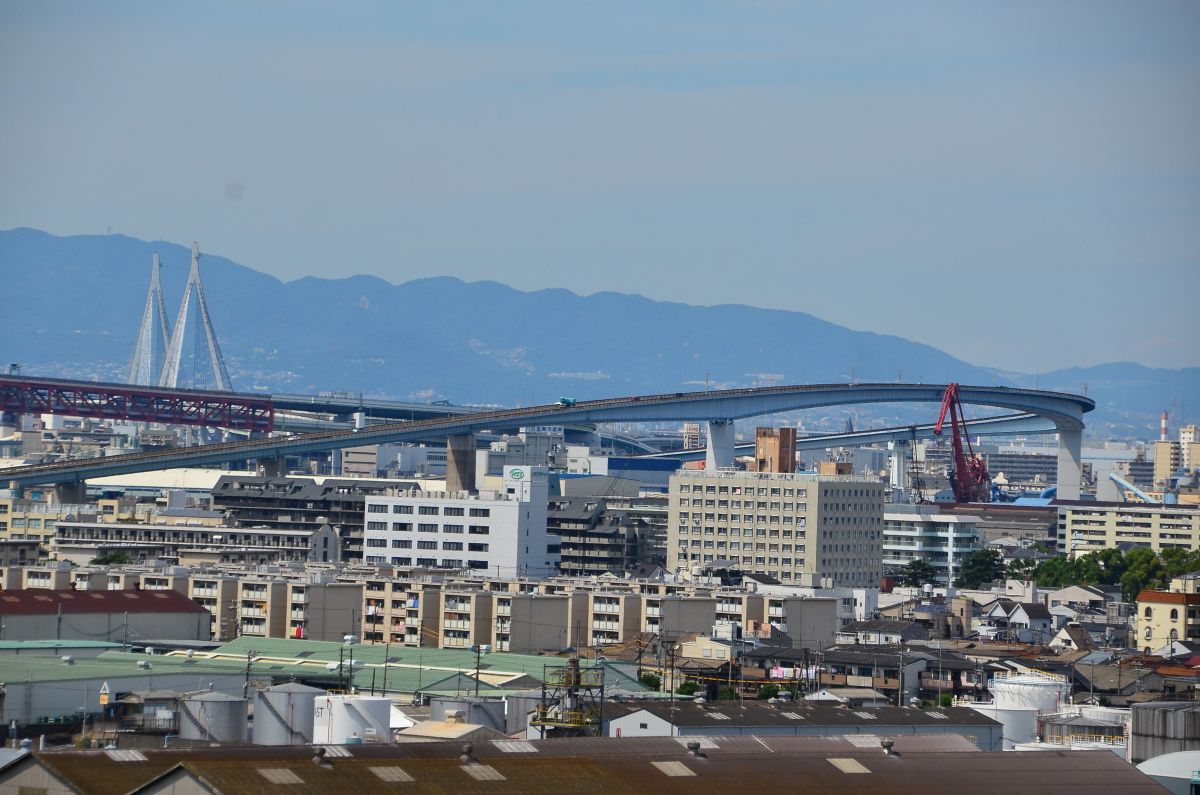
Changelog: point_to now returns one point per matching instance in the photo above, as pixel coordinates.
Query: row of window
(430, 527)
(405, 543)
(763, 491)
(429, 510)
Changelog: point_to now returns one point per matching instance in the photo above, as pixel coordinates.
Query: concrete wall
(108, 626)
(26, 702)
(812, 621)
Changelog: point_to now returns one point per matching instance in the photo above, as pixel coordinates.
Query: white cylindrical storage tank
(214, 717)
(1039, 692)
(1019, 725)
(283, 714)
(340, 720)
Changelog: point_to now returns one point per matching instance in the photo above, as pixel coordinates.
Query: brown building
(775, 450)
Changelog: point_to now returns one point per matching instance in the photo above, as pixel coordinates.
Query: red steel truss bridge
(232, 410)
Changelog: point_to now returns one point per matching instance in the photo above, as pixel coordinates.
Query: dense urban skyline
(925, 171)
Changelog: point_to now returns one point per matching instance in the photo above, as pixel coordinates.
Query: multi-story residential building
(1163, 617)
(465, 618)
(527, 623)
(610, 616)
(611, 534)
(501, 532)
(199, 543)
(1168, 458)
(779, 524)
(921, 532)
(217, 593)
(1088, 526)
(301, 503)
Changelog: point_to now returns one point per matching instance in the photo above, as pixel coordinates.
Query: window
(479, 530)
(427, 528)
(481, 511)
(427, 545)
(377, 525)
(452, 528)
(455, 546)
(402, 527)
(402, 509)
(1174, 615)
(1148, 613)
(376, 508)
(377, 542)
(401, 561)
(401, 543)
(477, 547)
(452, 511)
(477, 564)
(428, 510)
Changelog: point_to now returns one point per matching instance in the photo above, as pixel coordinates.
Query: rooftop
(928, 765)
(48, 602)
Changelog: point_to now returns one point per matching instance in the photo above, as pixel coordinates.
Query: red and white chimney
(1162, 436)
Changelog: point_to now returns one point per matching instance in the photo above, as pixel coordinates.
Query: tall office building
(795, 527)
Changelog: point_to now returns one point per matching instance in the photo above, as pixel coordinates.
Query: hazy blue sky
(1015, 183)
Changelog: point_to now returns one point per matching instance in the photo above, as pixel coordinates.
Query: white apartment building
(920, 532)
(502, 532)
(790, 526)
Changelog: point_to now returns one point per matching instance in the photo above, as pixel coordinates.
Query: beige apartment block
(610, 616)
(218, 594)
(1089, 526)
(527, 623)
(790, 526)
(466, 619)
(262, 608)
(323, 610)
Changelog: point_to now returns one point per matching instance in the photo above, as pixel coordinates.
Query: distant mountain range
(73, 305)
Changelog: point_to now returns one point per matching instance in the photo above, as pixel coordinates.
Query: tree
(916, 573)
(726, 694)
(651, 680)
(112, 559)
(980, 568)
(1143, 570)
(687, 688)
(768, 691)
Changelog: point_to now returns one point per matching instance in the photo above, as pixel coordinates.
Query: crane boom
(970, 477)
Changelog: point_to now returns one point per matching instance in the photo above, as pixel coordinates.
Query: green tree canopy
(916, 573)
(980, 568)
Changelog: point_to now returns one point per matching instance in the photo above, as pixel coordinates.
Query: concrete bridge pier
(271, 467)
(1070, 464)
(720, 444)
(74, 493)
(898, 464)
(460, 462)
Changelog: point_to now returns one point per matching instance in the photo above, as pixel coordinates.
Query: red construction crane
(970, 479)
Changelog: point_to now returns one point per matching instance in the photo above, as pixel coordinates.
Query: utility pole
(246, 686)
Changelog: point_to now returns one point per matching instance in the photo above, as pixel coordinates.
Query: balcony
(936, 683)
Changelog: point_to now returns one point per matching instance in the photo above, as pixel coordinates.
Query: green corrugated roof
(411, 669)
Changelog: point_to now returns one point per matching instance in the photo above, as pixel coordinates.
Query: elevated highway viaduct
(1060, 412)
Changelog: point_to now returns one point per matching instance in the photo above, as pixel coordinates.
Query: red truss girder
(138, 404)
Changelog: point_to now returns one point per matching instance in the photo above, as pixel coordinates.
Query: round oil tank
(1020, 725)
(283, 714)
(213, 717)
(1040, 692)
(339, 720)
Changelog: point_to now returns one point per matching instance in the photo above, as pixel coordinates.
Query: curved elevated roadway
(720, 408)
